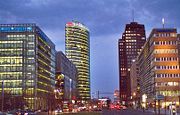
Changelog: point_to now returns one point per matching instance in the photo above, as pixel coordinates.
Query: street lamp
(144, 100)
(134, 98)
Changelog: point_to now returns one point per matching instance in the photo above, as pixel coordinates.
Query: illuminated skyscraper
(27, 66)
(131, 43)
(77, 50)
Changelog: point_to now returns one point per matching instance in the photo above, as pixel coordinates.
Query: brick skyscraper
(131, 43)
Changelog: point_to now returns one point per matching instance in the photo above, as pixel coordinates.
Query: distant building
(116, 96)
(78, 51)
(159, 67)
(27, 67)
(66, 79)
(131, 43)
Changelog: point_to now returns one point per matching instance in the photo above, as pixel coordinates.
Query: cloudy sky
(106, 20)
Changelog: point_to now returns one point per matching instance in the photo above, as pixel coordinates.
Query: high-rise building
(159, 67)
(135, 86)
(66, 78)
(131, 43)
(27, 67)
(77, 50)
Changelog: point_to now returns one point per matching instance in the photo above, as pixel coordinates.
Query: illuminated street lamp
(134, 99)
(144, 100)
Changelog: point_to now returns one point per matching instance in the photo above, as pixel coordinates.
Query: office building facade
(159, 67)
(77, 50)
(131, 43)
(66, 78)
(27, 66)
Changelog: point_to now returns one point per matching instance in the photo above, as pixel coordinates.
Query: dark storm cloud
(99, 16)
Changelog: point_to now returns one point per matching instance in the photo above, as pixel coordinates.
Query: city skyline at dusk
(106, 21)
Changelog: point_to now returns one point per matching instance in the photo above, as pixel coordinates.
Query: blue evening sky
(106, 20)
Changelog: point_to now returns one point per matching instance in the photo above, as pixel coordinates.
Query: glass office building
(77, 50)
(27, 66)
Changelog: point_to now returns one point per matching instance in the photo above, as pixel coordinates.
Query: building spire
(133, 15)
(163, 21)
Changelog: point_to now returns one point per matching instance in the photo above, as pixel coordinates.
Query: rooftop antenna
(133, 15)
(163, 22)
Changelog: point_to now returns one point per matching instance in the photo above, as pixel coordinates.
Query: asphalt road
(125, 112)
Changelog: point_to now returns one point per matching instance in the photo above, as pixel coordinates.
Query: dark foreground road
(125, 112)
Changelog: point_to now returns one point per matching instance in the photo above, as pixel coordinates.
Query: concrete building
(159, 67)
(27, 67)
(131, 43)
(135, 86)
(66, 79)
(78, 51)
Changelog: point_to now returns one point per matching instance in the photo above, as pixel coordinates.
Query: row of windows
(132, 34)
(29, 39)
(166, 67)
(11, 45)
(74, 29)
(14, 91)
(11, 69)
(11, 53)
(165, 43)
(168, 84)
(20, 35)
(166, 59)
(131, 40)
(167, 75)
(159, 51)
(15, 68)
(170, 93)
(165, 35)
(10, 61)
(123, 96)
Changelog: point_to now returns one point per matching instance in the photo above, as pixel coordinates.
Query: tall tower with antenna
(129, 45)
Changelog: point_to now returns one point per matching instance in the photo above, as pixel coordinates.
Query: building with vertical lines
(66, 78)
(159, 67)
(78, 51)
(27, 66)
(131, 43)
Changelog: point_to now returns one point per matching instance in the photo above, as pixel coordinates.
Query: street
(125, 112)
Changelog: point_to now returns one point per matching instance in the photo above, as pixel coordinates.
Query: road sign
(160, 97)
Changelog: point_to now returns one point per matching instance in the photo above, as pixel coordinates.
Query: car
(2, 113)
(124, 107)
(58, 111)
(13, 112)
(29, 112)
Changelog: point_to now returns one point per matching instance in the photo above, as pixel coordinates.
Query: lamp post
(165, 97)
(2, 96)
(134, 98)
(179, 94)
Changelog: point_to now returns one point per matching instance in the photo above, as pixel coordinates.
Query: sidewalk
(162, 111)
